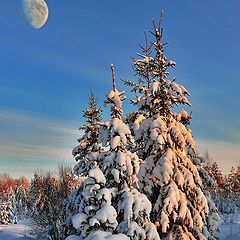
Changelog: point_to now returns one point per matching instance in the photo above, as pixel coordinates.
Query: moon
(36, 12)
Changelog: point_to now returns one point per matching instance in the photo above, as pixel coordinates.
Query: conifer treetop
(158, 94)
(120, 167)
(88, 143)
(115, 98)
(170, 174)
(92, 114)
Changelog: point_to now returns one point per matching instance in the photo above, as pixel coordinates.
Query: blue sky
(45, 74)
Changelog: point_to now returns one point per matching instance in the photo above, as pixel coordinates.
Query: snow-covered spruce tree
(6, 213)
(96, 218)
(87, 155)
(21, 201)
(213, 219)
(8, 208)
(91, 213)
(120, 168)
(35, 193)
(171, 173)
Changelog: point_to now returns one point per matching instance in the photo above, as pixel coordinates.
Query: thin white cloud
(35, 120)
(28, 137)
(18, 150)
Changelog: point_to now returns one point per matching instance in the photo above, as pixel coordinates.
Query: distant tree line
(13, 198)
(226, 188)
(41, 200)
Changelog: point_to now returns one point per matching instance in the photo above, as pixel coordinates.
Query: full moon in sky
(36, 12)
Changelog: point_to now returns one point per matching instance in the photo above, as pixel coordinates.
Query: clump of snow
(97, 175)
(100, 235)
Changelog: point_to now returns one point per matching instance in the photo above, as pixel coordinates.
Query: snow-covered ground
(229, 230)
(14, 231)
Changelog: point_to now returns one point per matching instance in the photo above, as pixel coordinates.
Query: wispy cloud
(18, 150)
(35, 120)
(29, 137)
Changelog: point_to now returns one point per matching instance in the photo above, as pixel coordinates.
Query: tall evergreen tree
(35, 193)
(8, 208)
(93, 216)
(87, 154)
(171, 173)
(21, 201)
(120, 168)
